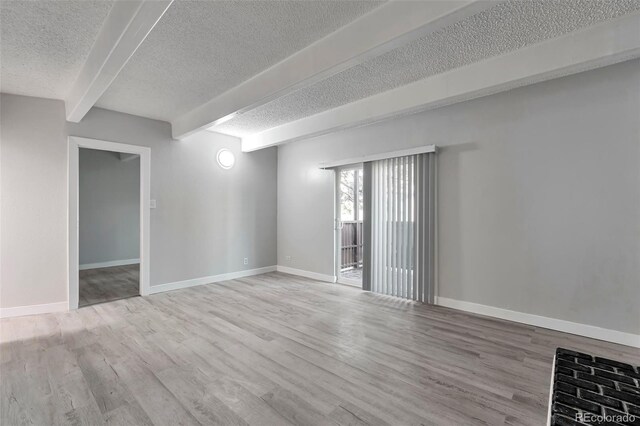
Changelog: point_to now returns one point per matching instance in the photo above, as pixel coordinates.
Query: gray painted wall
(109, 207)
(539, 196)
(207, 220)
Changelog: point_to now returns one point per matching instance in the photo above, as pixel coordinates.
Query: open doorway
(109, 221)
(349, 214)
(109, 226)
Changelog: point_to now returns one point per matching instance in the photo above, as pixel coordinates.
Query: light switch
(152, 204)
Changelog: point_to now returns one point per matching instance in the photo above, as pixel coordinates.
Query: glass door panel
(350, 211)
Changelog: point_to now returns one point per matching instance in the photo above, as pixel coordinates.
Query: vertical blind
(399, 227)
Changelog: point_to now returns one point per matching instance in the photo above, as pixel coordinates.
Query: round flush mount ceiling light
(226, 159)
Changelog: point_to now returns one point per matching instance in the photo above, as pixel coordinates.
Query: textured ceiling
(44, 44)
(200, 49)
(503, 28)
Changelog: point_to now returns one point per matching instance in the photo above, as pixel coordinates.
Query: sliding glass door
(349, 212)
(385, 224)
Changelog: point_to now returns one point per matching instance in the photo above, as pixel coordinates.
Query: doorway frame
(75, 143)
(337, 214)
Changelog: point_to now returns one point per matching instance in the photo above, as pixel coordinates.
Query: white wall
(109, 207)
(539, 196)
(207, 220)
(33, 208)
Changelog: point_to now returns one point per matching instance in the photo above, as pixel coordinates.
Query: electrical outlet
(246, 260)
(288, 258)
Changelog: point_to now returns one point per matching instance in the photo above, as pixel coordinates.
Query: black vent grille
(592, 390)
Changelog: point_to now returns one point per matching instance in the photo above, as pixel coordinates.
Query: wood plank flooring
(107, 284)
(276, 349)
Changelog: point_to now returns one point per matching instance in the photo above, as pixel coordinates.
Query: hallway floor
(107, 284)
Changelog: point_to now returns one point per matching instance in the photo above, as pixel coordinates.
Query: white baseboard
(594, 332)
(109, 264)
(210, 279)
(307, 274)
(47, 308)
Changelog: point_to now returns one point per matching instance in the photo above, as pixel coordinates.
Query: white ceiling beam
(381, 30)
(604, 44)
(128, 24)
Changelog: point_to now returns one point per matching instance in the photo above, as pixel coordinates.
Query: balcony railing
(351, 241)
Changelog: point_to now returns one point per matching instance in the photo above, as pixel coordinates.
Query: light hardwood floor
(276, 349)
(107, 284)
